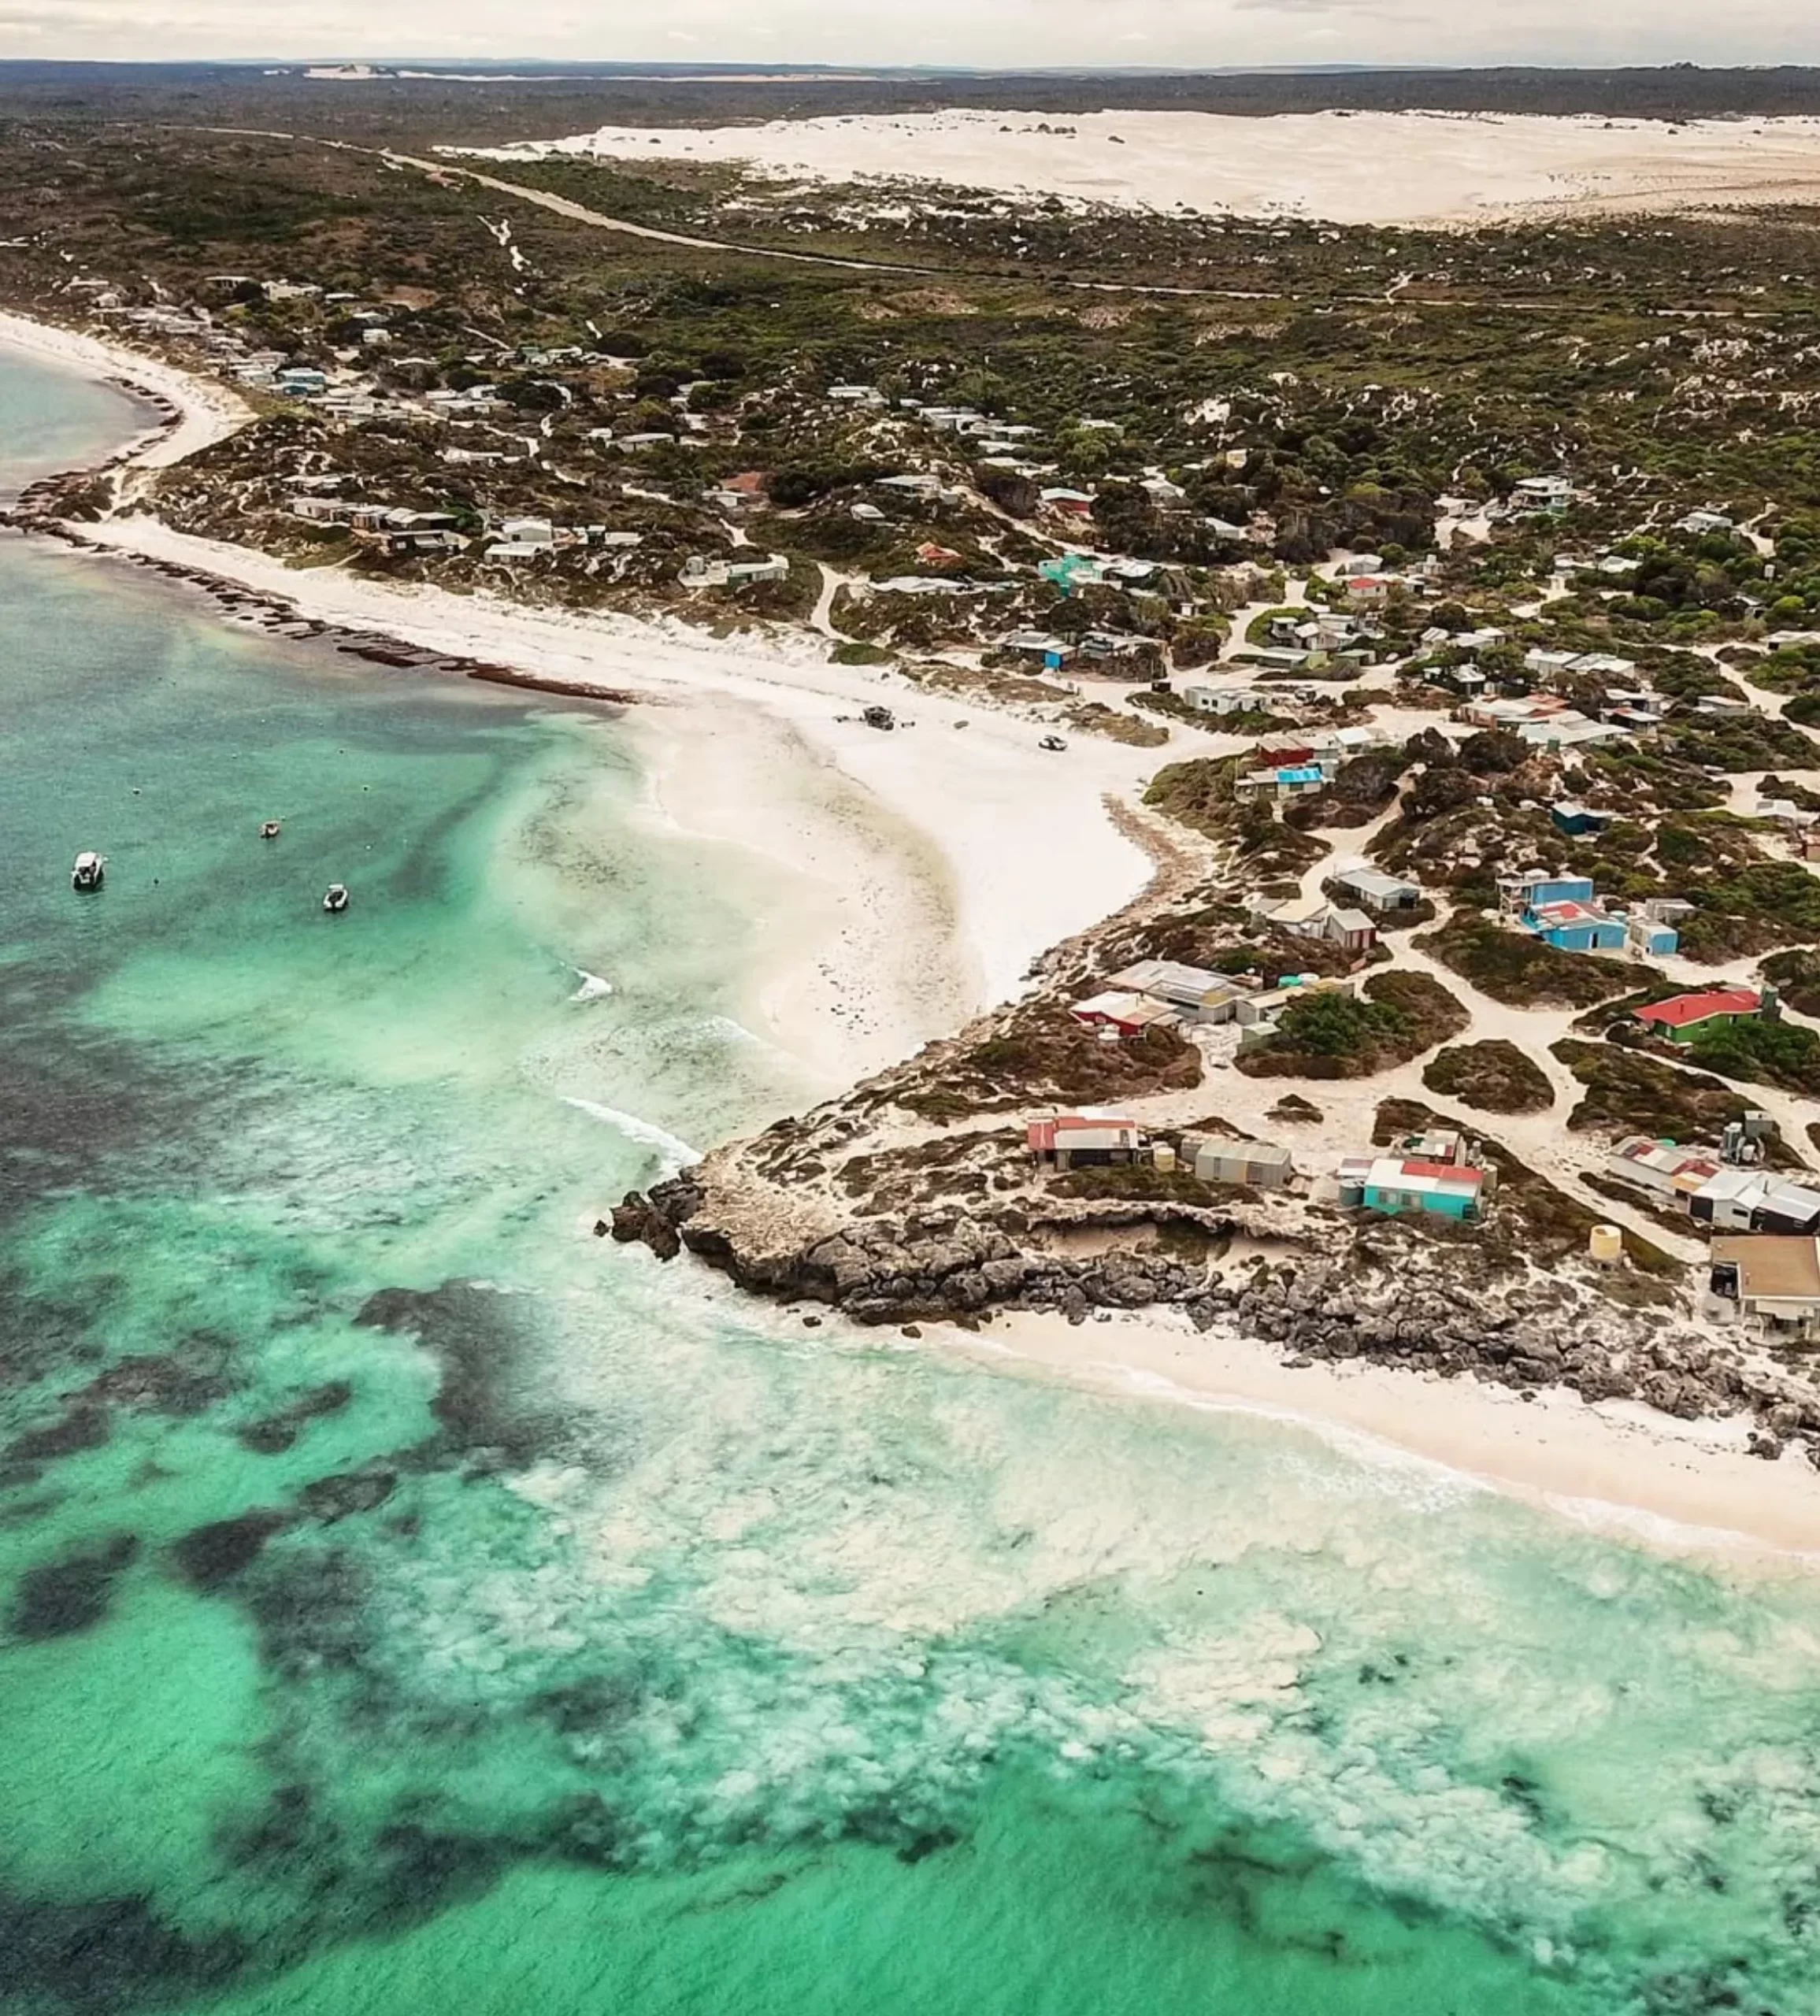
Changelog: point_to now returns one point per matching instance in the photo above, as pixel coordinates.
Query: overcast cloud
(1032, 34)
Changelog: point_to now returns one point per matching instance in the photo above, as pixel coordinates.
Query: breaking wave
(671, 1150)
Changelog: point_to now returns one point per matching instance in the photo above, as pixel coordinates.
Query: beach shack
(1684, 1018)
(1675, 1173)
(1316, 918)
(1542, 493)
(1650, 931)
(1752, 1200)
(1774, 1281)
(1563, 910)
(1575, 820)
(1295, 780)
(1091, 1138)
(1258, 1165)
(1394, 1184)
(1371, 890)
(1124, 1014)
(1055, 652)
(1195, 993)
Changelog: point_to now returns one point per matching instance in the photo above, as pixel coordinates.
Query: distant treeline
(575, 98)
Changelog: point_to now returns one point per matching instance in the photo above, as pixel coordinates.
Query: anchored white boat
(336, 900)
(87, 872)
(269, 831)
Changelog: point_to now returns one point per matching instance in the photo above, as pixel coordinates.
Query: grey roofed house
(1260, 1164)
(1379, 892)
(1170, 979)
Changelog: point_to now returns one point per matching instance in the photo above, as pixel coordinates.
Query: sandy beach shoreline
(918, 871)
(1619, 1468)
(200, 412)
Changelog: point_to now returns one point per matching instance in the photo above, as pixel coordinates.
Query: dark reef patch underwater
(410, 1603)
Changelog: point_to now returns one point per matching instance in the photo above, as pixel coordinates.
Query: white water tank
(1606, 1245)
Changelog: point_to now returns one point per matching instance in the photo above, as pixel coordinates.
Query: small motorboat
(1052, 742)
(336, 900)
(87, 872)
(270, 830)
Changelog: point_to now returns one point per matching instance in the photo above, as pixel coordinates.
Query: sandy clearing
(1408, 168)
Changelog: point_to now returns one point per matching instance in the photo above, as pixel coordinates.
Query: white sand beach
(205, 412)
(918, 871)
(1618, 1467)
(1443, 169)
(1026, 851)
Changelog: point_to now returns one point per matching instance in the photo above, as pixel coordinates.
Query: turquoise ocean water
(409, 1604)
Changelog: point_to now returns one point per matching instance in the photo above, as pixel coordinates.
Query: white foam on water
(672, 1150)
(1421, 1481)
(1602, 1515)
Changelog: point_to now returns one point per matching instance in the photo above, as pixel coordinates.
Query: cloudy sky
(1026, 33)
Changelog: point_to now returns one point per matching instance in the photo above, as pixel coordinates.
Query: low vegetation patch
(1628, 1091)
(1774, 1053)
(1495, 1076)
(1094, 717)
(1043, 1053)
(1746, 907)
(1143, 1183)
(1333, 1035)
(1796, 976)
(1522, 972)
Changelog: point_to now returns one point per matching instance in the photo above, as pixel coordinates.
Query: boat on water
(270, 830)
(87, 872)
(336, 900)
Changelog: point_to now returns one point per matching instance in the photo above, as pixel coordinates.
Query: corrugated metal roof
(1687, 1008)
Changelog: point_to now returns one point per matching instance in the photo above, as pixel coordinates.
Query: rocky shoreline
(1396, 1297)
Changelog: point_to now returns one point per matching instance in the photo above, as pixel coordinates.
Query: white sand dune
(1408, 168)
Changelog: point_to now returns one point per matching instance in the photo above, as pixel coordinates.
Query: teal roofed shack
(1067, 568)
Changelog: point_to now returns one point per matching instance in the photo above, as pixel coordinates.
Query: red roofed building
(1683, 1018)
